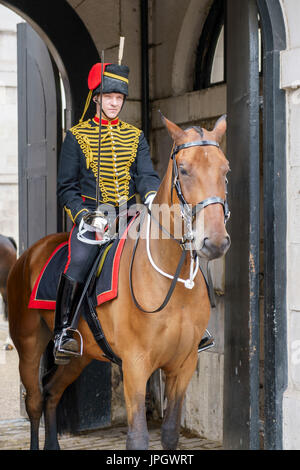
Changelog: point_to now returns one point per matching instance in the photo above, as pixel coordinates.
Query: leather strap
(197, 143)
(173, 283)
(93, 321)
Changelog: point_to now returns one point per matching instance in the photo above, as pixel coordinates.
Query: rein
(188, 214)
(175, 277)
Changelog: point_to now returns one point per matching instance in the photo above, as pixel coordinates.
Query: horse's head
(199, 178)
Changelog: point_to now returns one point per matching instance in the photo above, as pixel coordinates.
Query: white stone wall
(290, 81)
(8, 124)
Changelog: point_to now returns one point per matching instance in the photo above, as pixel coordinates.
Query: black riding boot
(65, 346)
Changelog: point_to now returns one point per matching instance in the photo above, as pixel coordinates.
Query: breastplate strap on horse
(186, 213)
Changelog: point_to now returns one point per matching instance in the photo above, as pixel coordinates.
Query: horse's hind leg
(176, 385)
(30, 349)
(53, 390)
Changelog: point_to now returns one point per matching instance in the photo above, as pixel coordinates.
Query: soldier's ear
(174, 131)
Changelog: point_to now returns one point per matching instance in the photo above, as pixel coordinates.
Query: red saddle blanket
(43, 295)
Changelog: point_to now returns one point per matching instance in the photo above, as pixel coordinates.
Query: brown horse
(145, 342)
(8, 257)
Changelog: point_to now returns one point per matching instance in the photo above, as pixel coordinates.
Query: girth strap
(92, 320)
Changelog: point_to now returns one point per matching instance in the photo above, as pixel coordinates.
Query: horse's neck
(165, 251)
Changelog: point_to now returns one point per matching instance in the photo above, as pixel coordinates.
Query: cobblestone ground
(15, 429)
(14, 435)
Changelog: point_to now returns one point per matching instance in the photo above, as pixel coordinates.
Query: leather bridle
(185, 207)
(188, 213)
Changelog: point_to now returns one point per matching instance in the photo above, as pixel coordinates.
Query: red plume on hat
(94, 78)
(115, 80)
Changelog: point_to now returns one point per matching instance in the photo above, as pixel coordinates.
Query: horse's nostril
(227, 241)
(215, 249)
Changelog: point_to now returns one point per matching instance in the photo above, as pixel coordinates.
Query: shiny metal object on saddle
(206, 343)
(95, 222)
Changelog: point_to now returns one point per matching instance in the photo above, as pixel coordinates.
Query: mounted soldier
(115, 174)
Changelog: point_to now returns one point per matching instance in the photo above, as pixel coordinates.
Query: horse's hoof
(52, 447)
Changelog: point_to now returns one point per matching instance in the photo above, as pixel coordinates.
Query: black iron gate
(242, 417)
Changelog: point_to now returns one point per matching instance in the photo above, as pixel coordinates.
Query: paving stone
(14, 435)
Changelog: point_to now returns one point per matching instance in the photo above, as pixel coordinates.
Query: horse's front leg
(176, 385)
(135, 380)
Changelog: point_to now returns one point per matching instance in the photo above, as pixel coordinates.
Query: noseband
(185, 207)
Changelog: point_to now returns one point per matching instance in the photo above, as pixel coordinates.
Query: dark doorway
(259, 212)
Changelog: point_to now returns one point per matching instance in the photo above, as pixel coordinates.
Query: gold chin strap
(87, 103)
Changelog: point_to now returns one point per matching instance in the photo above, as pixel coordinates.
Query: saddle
(101, 285)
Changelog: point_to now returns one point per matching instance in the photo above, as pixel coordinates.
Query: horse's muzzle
(212, 249)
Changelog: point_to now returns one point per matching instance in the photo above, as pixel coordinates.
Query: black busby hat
(115, 80)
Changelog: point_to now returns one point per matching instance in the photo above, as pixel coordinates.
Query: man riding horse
(125, 169)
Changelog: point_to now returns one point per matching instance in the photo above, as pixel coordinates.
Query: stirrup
(206, 343)
(67, 352)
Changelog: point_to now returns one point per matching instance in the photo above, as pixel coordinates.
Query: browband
(197, 143)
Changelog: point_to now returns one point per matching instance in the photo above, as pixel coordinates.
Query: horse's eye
(183, 171)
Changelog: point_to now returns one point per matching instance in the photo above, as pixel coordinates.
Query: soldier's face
(111, 104)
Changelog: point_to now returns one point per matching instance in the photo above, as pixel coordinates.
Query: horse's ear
(174, 131)
(220, 128)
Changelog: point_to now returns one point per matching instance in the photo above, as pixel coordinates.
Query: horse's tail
(17, 293)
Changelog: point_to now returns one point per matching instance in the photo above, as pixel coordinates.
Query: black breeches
(80, 256)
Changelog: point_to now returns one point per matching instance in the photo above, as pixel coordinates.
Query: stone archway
(73, 52)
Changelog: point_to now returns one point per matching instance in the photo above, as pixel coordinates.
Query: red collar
(105, 122)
